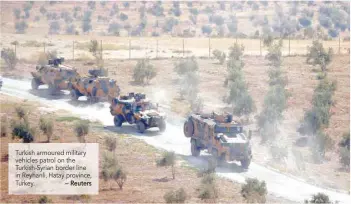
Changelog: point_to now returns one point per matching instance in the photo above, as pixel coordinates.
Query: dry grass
(131, 152)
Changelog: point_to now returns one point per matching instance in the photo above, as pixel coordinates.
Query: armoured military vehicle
(137, 109)
(222, 137)
(95, 87)
(54, 74)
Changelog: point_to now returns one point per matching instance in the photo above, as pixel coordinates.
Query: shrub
(9, 56)
(109, 166)
(54, 27)
(208, 189)
(22, 130)
(44, 199)
(167, 159)
(254, 190)
(186, 65)
(189, 88)
(170, 22)
(345, 142)
(333, 33)
(21, 27)
(3, 126)
(220, 56)
(123, 17)
(47, 126)
(157, 10)
(114, 28)
(43, 10)
(194, 11)
(81, 128)
(206, 29)
(319, 198)
(319, 55)
(218, 20)
(193, 19)
(305, 21)
(144, 71)
(71, 29)
(111, 143)
(120, 176)
(274, 54)
(177, 196)
(91, 5)
(17, 13)
(126, 4)
(344, 156)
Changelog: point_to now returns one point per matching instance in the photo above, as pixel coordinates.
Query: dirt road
(278, 184)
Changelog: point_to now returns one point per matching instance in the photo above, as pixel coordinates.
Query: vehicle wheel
(118, 120)
(221, 160)
(35, 84)
(162, 126)
(214, 158)
(74, 95)
(51, 89)
(195, 151)
(141, 126)
(245, 163)
(188, 128)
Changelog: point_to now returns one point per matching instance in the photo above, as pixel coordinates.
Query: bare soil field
(301, 82)
(145, 183)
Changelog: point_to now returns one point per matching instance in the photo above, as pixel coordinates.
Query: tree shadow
(131, 130)
(301, 142)
(201, 163)
(163, 180)
(44, 93)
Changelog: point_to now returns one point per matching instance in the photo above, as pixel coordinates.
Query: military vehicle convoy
(136, 109)
(222, 137)
(54, 74)
(95, 87)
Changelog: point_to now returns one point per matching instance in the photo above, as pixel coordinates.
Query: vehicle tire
(195, 150)
(118, 120)
(221, 160)
(74, 95)
(35, 84)
(215, 157)
(188, 128)
(141, 126)
(245, 163)
(162, 125)
(51, 89)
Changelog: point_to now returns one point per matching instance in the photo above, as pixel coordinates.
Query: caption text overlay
(54, 168)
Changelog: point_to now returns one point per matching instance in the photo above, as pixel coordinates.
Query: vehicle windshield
(229, 131)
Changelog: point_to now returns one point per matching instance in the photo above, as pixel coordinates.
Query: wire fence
(136, 48)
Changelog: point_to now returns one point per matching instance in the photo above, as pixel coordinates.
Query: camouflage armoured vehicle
(94, 87)
(221, 136)
(135, 108)
(55, 75)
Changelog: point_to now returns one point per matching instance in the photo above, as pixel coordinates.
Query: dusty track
(172, 139)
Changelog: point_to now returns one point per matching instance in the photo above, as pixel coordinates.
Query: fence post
(183, 47)
(73, 50)
(16, 50)
(339, 44)
(260, 46)
(156, 48)
(289, 44)
(129, 49)
(101, 48)
(209, 47)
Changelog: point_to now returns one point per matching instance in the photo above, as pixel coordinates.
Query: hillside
(242, 19)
